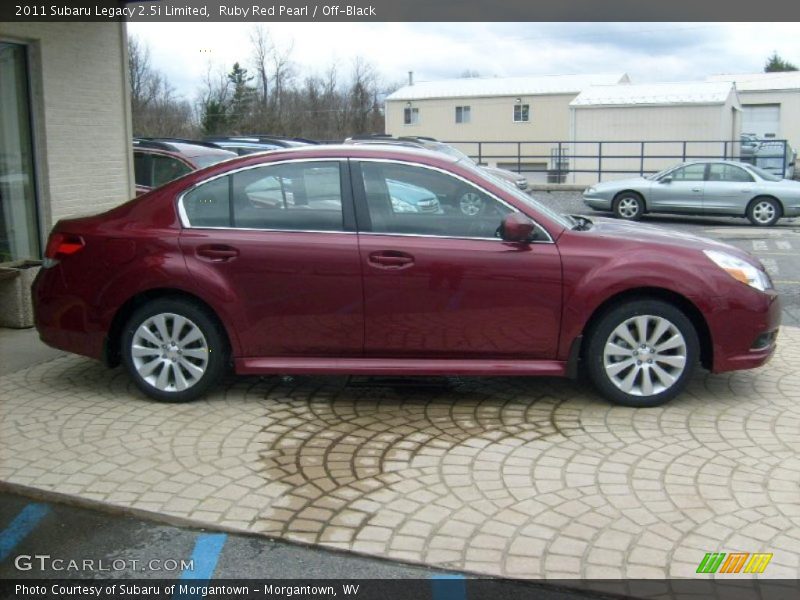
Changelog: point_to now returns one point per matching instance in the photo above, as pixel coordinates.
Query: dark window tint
(290, 196)
(414, 200)
(720, 172)
(689, 173)
(166, 168)
(141, 169)
(208, 205)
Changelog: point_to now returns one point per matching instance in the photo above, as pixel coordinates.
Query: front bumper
(739, 332)
(597, 203)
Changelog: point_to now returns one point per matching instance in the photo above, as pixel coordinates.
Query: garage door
(762, 119)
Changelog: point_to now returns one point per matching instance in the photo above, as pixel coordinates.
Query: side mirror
(666, 179)
(516, 227)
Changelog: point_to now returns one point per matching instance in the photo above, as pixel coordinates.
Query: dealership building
(65, 128)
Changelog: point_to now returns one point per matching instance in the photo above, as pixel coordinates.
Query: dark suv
(157, 161)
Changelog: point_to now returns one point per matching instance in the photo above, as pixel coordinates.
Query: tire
(628, 206)
(668, 370)
(181, 350)
(764, 212)
(470, 203)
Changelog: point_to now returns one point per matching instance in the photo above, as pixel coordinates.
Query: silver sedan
(701, 188)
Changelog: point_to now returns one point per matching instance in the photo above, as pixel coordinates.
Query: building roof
(475, 87)
(655, 94)
(754, 82)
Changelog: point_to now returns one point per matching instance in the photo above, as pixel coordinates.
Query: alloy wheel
(471, 204)
(169, 352)
(628, 207)
(645, 355)
(764, 212)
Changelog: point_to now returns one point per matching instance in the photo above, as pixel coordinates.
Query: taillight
(59, 246)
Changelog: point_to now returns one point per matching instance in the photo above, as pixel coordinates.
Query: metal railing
(627, 157)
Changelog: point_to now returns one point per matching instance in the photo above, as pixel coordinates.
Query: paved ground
(510, 477)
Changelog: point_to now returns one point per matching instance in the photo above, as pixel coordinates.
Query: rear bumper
(62, 318)
(736, 329)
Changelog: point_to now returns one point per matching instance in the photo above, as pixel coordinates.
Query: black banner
(437, 588)
(398, 10)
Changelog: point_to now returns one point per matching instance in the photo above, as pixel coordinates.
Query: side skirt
(398, 366)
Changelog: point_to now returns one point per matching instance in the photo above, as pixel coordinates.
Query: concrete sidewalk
(533, 478)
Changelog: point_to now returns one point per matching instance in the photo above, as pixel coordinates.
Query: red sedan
(318, 260)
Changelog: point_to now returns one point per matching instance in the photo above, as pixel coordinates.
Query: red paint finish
(360, 302)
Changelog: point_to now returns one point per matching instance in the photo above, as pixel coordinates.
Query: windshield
(563, 220)
(765, 175)
(658, 175)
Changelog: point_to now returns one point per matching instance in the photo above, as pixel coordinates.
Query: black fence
(636, 157)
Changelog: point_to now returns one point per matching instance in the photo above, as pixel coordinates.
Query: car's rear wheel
(173, 349)
(764, 212)
(642, 353)
(628, 206)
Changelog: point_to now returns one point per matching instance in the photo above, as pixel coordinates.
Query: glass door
(19, 234)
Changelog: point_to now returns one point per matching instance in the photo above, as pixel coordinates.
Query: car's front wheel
(764, 212)
(173, 349)
(628, 206)
(642, 353)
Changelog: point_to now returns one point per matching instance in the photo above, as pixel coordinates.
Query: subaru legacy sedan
(202, 275)
(709, 188)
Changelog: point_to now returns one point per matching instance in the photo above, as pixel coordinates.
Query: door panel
(438, 283)
(684, 193)
(728, 190)
(293, 293)
(273, 243)
(461, 298)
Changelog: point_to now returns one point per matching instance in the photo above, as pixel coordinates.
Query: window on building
(19, 230)
(410, 116)
(463, 114)
(521, 113)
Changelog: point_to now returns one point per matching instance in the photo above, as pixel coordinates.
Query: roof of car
(386, 150)
(189, 148)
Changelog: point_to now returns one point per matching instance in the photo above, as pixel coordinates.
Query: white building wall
(613, 125)
(81, 115)
(789, 101)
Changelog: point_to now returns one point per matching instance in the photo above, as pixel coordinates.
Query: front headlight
(740, 270)
(589, 190)
(401, 206)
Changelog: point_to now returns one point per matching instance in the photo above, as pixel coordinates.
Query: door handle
(391, 259)
(746, 191)
(218, 252)
(697, 189)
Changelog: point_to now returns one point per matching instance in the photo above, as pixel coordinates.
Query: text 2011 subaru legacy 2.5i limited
(297, 261)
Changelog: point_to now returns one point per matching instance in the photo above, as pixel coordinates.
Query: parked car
(196, 277)
(515, 179)
(774, 156)
(701, 188)
(157, 161)
(243, 146)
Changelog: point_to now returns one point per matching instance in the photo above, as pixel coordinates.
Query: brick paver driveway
(513, 477)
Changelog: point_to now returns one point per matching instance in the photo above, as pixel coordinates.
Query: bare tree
(155, 108)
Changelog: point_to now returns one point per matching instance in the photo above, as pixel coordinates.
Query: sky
(646, 51)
